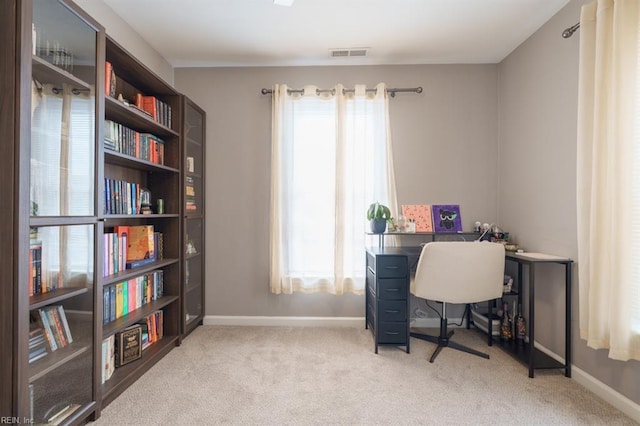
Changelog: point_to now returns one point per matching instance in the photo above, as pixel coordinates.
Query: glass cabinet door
(62, 112)
(60, 355)
(194, 154)
(61, 318)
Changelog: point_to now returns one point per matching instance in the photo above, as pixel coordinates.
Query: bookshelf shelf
(55, 296)
(132, 117)
(56, 359)
(124, 376)
(45, 72)
(131, 273)
(113, 157)
(193, 141)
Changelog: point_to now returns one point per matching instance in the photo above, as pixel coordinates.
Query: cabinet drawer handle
(391, 267)
(393, 289)
(391, 312)
(391, 332)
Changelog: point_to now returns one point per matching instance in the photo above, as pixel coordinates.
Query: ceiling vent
(345, 53)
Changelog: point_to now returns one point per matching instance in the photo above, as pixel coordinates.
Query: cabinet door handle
(393, 289)
(391, 267)
(391, 312)
(393, 333)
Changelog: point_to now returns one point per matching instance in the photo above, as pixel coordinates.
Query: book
(128, 347)
(109, 80)
(421, 214)
(123, 244)
(139, 263)
(65, 324)
(140, 243)
(53, 345)
(119, 297)
(446, 218)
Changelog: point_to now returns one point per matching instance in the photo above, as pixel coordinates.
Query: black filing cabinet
(387, 297)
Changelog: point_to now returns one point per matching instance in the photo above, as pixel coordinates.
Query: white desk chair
(457, 272)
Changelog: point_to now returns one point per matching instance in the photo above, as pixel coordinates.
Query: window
(331, 158)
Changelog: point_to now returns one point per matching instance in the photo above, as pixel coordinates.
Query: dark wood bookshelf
(76, 368)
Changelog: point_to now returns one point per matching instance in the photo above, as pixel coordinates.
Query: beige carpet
(331, 376)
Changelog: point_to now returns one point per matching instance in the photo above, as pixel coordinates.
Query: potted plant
(378, 216)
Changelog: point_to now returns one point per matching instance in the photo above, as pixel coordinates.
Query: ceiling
(215, 33)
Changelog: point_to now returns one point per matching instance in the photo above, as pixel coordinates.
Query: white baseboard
(310, 321)
(613, 397)
(284, 321)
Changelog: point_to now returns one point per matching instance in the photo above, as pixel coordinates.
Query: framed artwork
(421, 214)
(446, 218)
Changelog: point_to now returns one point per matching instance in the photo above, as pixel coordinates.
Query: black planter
(378, 226)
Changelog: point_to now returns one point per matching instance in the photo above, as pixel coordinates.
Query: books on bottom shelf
(108, 358)
(127, 345)
(52, 321)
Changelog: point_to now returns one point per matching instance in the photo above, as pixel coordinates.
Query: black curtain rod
(392, 92)
(569, 31)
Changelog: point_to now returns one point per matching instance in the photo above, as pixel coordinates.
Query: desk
(388, 301)
(431, 236)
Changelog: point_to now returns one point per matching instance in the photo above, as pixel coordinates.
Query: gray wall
(444, 143)
(538, 89)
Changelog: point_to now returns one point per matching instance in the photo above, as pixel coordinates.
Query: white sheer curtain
(608, 172)
(331, 157)
(62, 178)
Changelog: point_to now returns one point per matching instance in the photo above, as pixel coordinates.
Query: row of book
(190, 195)
(158, 110)
(49, 331)
(129, 247)
(144, 146)
(124, 297)
(122, 197)
(127, 345)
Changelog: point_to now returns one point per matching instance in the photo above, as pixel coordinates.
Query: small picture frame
(446, 218)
